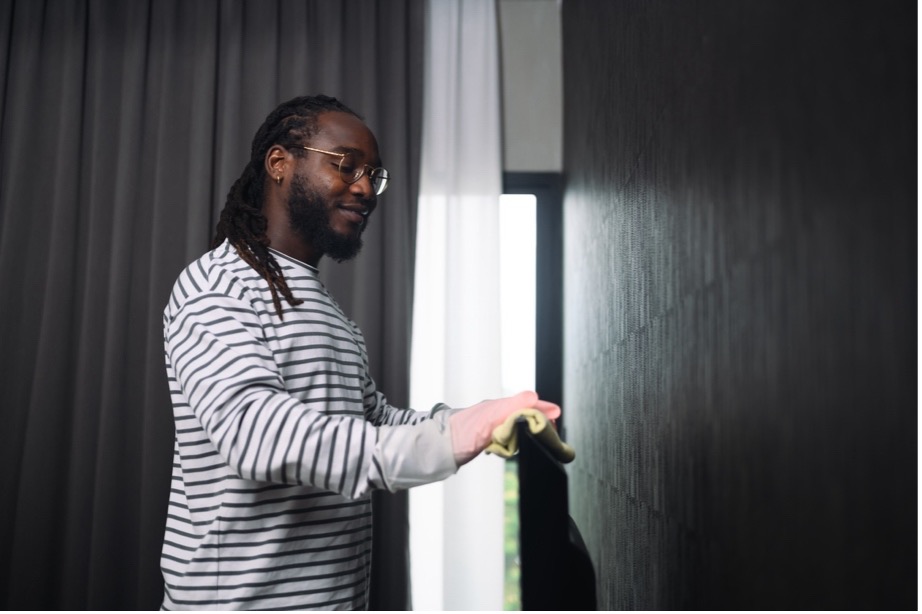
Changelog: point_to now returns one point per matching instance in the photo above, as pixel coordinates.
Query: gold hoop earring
(279, 180)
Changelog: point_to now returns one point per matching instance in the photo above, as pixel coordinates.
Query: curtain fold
(457, 526)
(122, 127)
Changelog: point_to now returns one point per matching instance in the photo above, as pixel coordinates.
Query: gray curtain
(122, 126)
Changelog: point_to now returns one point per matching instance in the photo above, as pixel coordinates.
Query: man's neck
(281, 236)
(292, 247)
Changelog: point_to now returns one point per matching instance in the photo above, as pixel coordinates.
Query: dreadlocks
(242, 220)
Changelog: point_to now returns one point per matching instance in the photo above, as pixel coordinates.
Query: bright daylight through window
(517, 297)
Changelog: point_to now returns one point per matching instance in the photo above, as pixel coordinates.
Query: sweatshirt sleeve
(232, 386)
(379, 412)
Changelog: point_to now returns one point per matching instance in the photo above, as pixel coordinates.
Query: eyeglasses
(350, 172)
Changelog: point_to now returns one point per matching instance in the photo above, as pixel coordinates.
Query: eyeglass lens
(352, 172)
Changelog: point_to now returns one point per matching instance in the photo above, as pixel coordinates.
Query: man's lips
(355, 214)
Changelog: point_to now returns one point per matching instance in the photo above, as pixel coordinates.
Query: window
(531, 274)
(546, 187)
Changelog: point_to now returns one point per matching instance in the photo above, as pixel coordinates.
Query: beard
(309, 216)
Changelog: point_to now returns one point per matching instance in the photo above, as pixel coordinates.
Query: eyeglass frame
(385, 180)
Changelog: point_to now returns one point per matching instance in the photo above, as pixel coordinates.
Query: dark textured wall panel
(740, 315)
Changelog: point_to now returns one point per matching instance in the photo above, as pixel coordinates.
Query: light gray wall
(532, 95)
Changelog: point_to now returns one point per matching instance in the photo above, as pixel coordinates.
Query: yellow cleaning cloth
(505, 442)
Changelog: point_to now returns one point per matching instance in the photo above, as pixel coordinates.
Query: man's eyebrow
(356, 152)
(345, 149)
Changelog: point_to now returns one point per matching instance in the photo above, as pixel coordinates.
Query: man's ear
(278, 164)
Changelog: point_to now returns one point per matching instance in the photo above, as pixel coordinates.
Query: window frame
(548, 192)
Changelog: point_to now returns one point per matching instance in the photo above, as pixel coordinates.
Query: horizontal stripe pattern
(275, 452)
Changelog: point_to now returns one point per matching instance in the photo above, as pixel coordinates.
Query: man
(280, 431)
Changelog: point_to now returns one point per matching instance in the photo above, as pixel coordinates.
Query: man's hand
(472, 427)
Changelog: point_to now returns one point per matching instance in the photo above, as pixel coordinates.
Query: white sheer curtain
(456, 531)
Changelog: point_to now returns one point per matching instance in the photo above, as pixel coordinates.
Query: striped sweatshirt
(280, 437)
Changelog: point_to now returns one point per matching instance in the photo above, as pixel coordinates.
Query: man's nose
(364, 187)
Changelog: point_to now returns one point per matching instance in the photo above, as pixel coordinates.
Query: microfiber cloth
(505, 443)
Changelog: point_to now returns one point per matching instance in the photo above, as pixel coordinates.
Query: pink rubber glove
(472, 427)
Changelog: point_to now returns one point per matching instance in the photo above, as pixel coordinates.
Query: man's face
(328, 213)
